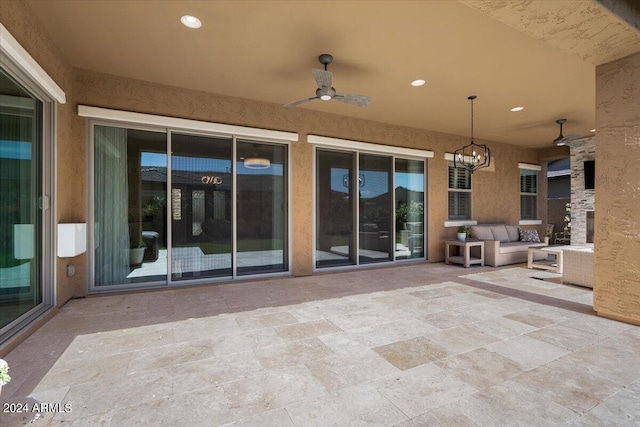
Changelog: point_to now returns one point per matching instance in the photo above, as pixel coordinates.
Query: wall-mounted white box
(72, 240)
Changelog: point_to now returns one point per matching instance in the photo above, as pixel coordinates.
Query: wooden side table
(464, 252)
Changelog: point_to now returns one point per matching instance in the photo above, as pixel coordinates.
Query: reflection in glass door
(335, 242)
(21, 232)
(375, 234)
(201, 193)
(409, 195)
(130, 185)
(261, 208)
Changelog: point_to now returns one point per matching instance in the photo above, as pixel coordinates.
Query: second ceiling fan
(326, 91)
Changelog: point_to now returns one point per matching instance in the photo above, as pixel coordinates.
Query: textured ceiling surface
(265, 50)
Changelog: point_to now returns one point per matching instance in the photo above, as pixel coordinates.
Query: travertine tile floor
(414, 345)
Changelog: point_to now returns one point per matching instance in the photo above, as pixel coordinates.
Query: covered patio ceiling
(540, 55)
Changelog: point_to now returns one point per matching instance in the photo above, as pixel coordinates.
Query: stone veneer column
(617, 221)
(582, 200)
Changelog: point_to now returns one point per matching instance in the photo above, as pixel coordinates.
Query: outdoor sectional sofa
(502, 244)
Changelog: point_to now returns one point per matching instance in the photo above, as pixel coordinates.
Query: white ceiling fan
(572, 138)
(326, 91)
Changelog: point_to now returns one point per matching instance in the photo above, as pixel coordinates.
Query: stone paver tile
(557, 381)
(170, 355)
(462, 338)
(386, 333)
(205, 327)
(410, 353)
(451, 318)
(120, 392)
(102, 419)
(100, 344)
(265, 320)
(503, 327)
(359, 320)
(444, 416)
(565, 337)
(527, 352)
(83, 371)
(528, 318)
(204, 408)
(344, 344)
(598, 325)
(422, 389)
(354, 406)
(217, 370)
(621, 409)
(292, 354)
(268, 390)
(480, 367)
(510, 404)
(305, 330)
(615, 359)
(336, 372)
(276, 418)
(245, 341)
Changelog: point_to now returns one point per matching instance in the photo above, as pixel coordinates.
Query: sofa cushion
(513, 233)
(529, 236)
(500, 233)
(481, 232)
(507, 248)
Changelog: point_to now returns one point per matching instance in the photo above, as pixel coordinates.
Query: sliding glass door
(261, 207)
(380, 196)
(191, 214)
(201, 193)
(375, 212)
(336, 186)
(21, 202)
(130, 185)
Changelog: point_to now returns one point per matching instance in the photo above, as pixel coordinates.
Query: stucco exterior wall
(71, 156)
(617, 223)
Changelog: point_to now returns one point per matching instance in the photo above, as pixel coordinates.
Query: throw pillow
(529, 236)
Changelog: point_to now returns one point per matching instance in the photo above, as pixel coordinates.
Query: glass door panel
(261, 208)
(335, 242)
(130, 187)
(20, 189)
(201, 196)
(375, 213)
(409, 195)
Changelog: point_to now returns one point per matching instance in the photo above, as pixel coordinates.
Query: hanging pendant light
(472, 156)
(256, 162)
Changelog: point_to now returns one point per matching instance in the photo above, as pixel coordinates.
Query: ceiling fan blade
(323, 78)
(353, 99)
(301, 101)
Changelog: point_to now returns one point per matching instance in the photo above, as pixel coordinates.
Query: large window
(459, 193)
(528, 194)
(380, 196)
(192, 214)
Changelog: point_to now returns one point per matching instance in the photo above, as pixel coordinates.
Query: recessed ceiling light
(191, 21)
(592, 130)
(418, 82)
(514, 109)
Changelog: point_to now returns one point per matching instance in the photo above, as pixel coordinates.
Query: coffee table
(546, 264)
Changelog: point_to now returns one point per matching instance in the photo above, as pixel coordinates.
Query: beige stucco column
(617, 207)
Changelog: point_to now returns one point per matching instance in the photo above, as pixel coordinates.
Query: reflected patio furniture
(563, 238)
(550, 235)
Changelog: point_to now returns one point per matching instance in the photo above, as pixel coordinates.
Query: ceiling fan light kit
(257, 163)
(326, 91)
(472, 156)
